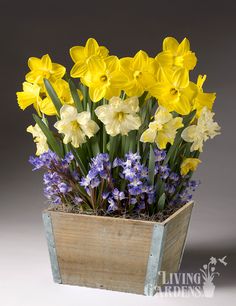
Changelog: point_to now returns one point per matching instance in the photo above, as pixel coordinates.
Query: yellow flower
(204, 129)
(104, 78)
(163, 129)
(29, 96)
(119, 116)
(202, 99)
(43, 68)
(39, 138)
(64, 94)
(75, 126)
(189, 164)
(173, 91)
(141, 70)
(80, 55)
(176, 55)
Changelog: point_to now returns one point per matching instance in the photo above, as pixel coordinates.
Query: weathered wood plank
(176, 232)
(115, 253)
(102, 252)
(51, 246)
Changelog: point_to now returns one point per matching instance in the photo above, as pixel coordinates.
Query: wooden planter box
(115, 253)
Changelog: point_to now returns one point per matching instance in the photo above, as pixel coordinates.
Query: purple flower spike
(118, 195)
(64, 188)
(160, 155)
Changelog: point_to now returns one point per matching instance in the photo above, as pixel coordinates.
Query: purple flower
(67, 159)
(118, 195)
(95, 182)
(112, 205)
(160, 155)
(85, 181)
(105, 195)
(36, 162)
(117, 162)
(164, 171)
(51, 178)
(170, 189)
(78, 200)
(174, 177)
(75, 175)
(56, 200)
(133, 201)
(134, 157)
(64, 188)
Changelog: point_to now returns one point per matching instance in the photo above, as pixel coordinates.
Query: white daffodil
(39, 138)
(163, 129)
(75, 126)
(119, 116)
(204, 129)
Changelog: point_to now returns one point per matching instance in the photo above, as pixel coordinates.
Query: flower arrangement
(118, 136)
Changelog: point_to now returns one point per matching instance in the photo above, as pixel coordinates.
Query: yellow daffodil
(163, 129)
(43, 68)
(29, 96)
(202, 99)
(204, 129)
(176, 55)
(173, 91)
(104, 78)
(119, 116)
(189, 164)
(64, 94)
(140, 70)
(75, 126)
(39, 138)
(80, 55)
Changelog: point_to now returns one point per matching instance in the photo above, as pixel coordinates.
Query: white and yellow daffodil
(75, 126)
(39, 138)
(204, 129)
(163, 129)
(120, 116)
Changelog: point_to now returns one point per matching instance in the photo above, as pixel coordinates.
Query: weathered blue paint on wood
(51, 247)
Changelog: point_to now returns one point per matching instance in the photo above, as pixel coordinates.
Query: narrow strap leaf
(151, 165)
(75, 96)
(53, 95)
(95, 146)
(53, 144)
(161, 202)
(78, 159)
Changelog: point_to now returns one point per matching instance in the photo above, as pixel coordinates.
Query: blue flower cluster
(134, 189)
(100, 169)
(139, 191)
(58, 178)
(122, 186)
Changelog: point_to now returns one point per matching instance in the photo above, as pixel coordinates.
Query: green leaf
(78, 159)
(75, 96)
(53, 144)
(161, 202)
(95, 145)
(132, 141)
(53, 95)
(188, 118)
(113, 144)
(151, 165)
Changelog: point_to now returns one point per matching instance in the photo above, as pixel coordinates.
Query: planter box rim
(190, 203)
